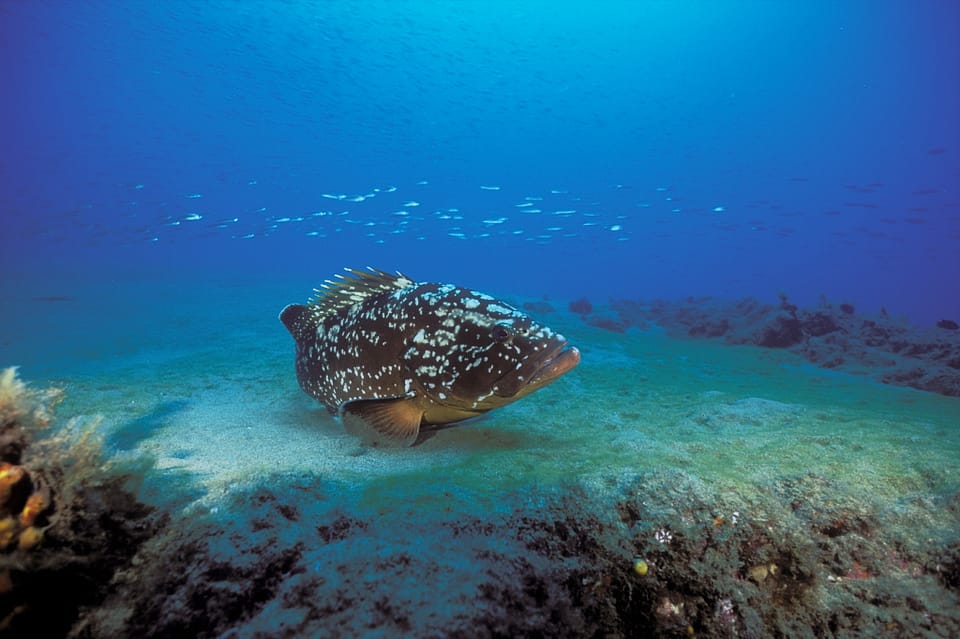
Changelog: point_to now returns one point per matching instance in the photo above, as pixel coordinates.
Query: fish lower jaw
(561, 363)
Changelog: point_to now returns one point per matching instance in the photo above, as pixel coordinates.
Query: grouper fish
(391, 356)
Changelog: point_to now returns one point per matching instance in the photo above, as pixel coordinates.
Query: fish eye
(501, 333)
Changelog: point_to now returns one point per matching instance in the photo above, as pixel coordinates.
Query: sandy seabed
(666, 487)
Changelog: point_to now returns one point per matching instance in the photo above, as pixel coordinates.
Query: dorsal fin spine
(353, 288)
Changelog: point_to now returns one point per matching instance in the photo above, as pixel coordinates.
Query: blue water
(640, 149)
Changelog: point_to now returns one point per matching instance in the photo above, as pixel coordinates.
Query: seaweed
(67, 519)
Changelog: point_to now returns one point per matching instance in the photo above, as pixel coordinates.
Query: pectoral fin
(391, 421)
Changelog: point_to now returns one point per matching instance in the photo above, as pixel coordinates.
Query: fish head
(477, 353)
(525, 356)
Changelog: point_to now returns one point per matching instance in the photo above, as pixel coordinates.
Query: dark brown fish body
(389, 355)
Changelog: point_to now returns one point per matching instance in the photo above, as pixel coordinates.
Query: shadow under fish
(391, 356)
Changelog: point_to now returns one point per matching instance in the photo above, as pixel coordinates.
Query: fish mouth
(563, 359)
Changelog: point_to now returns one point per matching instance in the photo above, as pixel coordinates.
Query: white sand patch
(226, 436)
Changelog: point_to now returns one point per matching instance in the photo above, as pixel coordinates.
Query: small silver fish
(390, 355)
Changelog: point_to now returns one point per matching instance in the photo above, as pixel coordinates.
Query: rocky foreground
(658, 554)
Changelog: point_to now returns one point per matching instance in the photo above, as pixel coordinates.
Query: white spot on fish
(501, 310)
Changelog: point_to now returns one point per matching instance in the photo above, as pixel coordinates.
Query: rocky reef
(658, 554)
(831, 335)
(67, 520)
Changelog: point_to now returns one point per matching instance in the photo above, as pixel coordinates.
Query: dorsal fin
(348, 290)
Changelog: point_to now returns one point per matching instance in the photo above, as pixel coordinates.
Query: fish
(394, 358)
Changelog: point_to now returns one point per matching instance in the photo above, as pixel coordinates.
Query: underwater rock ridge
(830, 335)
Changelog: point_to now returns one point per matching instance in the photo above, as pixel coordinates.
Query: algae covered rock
(835, 336)
(67, 523)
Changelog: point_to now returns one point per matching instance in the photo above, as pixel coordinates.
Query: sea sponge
(23, 501)
(10, 476)
(37, 504)
(29, 538)
(8, 532)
